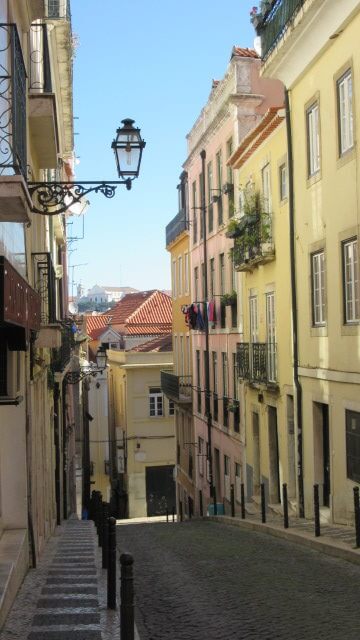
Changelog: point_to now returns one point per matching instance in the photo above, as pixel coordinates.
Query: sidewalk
(335, 540)
(65, 597)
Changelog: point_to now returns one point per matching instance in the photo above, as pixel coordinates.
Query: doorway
(274, 462)
(160, 490)
(322, 451)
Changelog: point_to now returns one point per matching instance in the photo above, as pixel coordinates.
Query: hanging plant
(229, 299)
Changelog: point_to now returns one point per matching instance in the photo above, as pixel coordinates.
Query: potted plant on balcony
(255, 17)
(233, 229)
(265, 6)
(229, 299)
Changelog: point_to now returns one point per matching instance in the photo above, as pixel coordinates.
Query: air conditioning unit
(59, 271)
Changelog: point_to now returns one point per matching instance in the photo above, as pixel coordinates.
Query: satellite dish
(73, 308)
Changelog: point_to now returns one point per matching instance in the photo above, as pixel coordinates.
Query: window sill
(346, 157)
(311, 180)
(319, 332)
(350, 329)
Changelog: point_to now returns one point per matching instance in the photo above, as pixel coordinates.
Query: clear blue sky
(153, 61)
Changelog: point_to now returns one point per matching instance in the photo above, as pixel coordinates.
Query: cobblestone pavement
(65, 597)
(203, 580)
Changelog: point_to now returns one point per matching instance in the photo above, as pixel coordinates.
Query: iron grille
(243, 360)
(178, 388)
(40, 71)
(12, 103)
(45, 284)
(257, 362)
(61, 357)
(277, 21)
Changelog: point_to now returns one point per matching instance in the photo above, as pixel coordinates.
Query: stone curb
(322, 544)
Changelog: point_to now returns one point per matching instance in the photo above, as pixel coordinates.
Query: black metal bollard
(357, 516)
(167, 515)
(105, 532)
(173, 514)
(92, 502)
(111, 574)
(242, 490)
(263, 506)
(127, 618)
(98, 513)
(285, 506)
(317, 510)
(101, 524)
(232, 498)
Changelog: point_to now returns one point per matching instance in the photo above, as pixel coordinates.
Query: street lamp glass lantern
(101, 359)
(128, 147)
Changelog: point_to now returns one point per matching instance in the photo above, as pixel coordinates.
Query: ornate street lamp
(74, 377)
(52, 198)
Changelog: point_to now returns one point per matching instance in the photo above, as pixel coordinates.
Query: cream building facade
(142, 428)
(316, 55)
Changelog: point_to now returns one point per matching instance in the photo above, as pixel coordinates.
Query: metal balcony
(12, 103)
(176, 388)
(19, 303)
(39, 59)
(61, 357)
(257, 362)
(254, 245)
(45, 285)
(177, 225)
(276, 22)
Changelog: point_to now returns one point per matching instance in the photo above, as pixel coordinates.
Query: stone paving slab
(57, 619)
(65, 635)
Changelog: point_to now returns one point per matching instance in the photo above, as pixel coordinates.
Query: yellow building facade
(261, 256)
(318, 59)
(142, 428)
(177, 385)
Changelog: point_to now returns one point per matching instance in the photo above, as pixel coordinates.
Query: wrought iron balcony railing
(257, 362)
(12, 103)
(45, 285)
(226, 412)
(39, 63)
(254, 243)
(61, 357)
(177, 388)
(177, 225)
(58, 9)
(276, 23)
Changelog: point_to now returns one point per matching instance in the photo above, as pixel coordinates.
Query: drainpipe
(294, 315)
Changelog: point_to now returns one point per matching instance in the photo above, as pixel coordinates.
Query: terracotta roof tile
(163, 343)
(256, 136)
(96, 322)
(242, 52)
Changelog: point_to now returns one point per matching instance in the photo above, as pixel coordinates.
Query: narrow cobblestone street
(208, 581)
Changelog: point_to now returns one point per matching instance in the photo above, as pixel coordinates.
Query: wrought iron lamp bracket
(74, 377)
(54, 198)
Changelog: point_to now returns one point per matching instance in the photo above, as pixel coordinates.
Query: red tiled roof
(243, 53)
(96, 322)
(142, 313)
(158, 344)
(256, 137)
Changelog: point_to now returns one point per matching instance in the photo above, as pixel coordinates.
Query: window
(203, 282)
(345, 112)
(313, 139)
(352, 420)
(181, 355)
(271, 337)
(173, 278)
(171, 408)
(235, 377)
(231, 208)
(225, 373)
(253, 302)
(195, 212)
(156, 402)
(215, 386)
(196, 284)
(198, 381)
(222, 273)
(318, 288)
(283, 182)
(188, 355)
(351, 280)
(179, 288)
(201, 179)
(266, 187)
(210, 195)
(186, 273)
(212, 277)
(237, 482)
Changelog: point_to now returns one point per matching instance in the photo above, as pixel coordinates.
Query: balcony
(46, 285)
(253, 243)
(20, 306)
(176, 388)
(225, 412)
(257, 362)
(177, 225)
(42, 107)
(61, 357)
(15, 201)
(276, 22)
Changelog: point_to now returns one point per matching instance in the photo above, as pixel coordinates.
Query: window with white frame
(224, 359)
(155, 402)
(266, 187)
(345, 112)
(351, 281)
(271, 336)
(171, 408)
(235, 377)
(212, 278)
(186, 273)
(179, 287)
(253, 304)
(222, 273)
(283, 182)
(313, 138)
(318, 288)
(173, 278)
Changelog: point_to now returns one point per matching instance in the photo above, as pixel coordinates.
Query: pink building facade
(235, 105)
